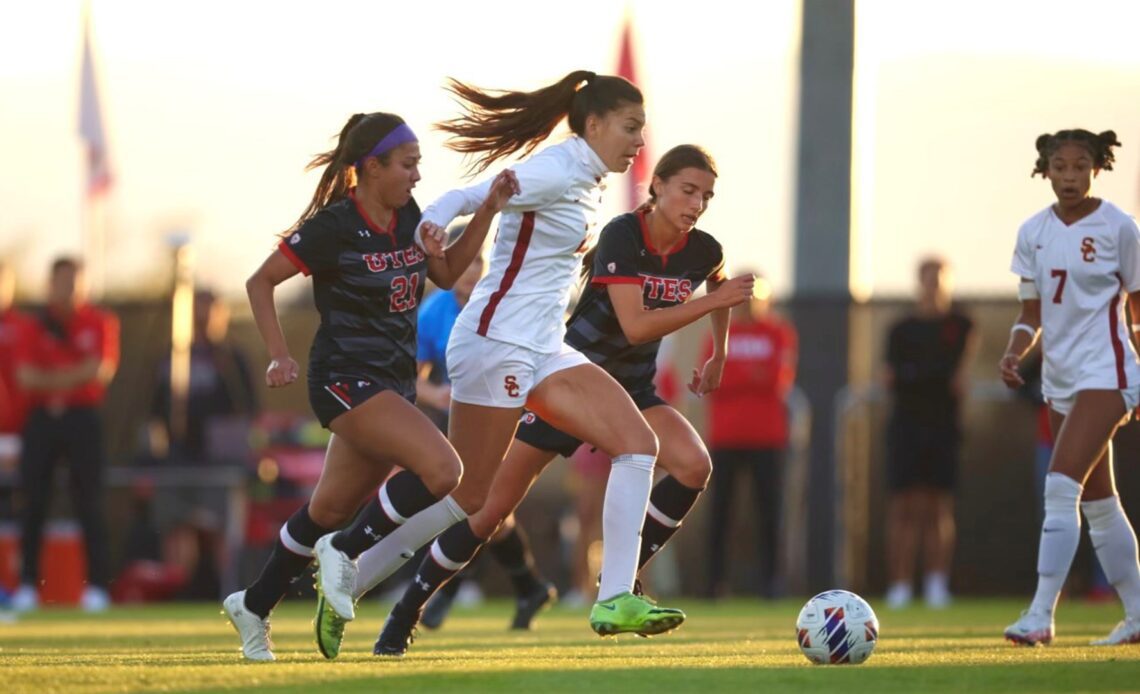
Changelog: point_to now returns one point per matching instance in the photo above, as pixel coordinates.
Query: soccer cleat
(1127, 631)
(94, 600)
(253, 630)
(329, 627)
(528, 606)
(25, 599)
(437, 609)
(336, 577)
(1033, 628)
(398, 633)
(631, 614)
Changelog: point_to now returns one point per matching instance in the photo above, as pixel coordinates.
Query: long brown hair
(357, 138)
(669, 165)
(498, 123)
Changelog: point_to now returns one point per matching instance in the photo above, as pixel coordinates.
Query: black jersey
(924, 354)
(625, 255)
(367, 283)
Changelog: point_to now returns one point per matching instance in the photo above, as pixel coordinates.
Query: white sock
(389, 554)
(1115, 544)
(623, 512)
(1060, 533)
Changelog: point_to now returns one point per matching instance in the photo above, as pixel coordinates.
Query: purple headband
(401, 134)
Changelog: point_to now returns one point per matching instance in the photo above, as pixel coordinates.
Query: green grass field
(729, 646)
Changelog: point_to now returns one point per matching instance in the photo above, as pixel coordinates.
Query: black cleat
(528, 606)
(398, 633)
(437, 609)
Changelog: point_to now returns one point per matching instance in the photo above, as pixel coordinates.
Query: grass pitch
(742, 645)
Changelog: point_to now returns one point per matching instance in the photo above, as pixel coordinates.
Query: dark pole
(821, 298)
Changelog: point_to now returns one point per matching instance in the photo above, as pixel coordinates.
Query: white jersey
(543, 233)
(1081, 272)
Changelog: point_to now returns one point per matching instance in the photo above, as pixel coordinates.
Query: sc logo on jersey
(1088, 250)
(511, 385)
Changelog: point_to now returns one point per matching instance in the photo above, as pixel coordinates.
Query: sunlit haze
(213, 109)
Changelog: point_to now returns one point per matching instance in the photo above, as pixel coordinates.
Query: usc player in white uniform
(1079, 264)
(506, 350)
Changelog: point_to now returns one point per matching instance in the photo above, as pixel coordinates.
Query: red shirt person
(748, 431)
(65, 357)
(13, 410)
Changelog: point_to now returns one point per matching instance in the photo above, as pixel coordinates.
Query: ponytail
(499, 123)
(357, 138)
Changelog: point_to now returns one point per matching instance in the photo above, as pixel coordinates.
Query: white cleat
(898, 596)
(95, 600)
(25, 599)
(253, 630)
(1033, 628)
(1128, 631)
(336, 578)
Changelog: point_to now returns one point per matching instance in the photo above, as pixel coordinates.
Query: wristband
(1025, 328)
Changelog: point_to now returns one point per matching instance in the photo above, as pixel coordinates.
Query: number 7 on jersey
(1063, 274)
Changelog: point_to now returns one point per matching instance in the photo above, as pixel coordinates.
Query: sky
(214, 108)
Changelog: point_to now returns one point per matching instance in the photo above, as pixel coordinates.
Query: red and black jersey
(53, 341)
(625, 255)
(367, 283)
(13, 405)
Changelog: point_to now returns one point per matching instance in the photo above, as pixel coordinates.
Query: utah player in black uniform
(358, 240)
(646, 266)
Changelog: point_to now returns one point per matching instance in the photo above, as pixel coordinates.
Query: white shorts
(1063, 406)
(498, 374)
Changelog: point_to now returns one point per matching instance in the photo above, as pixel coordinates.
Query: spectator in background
(12, 405)
(928, 362)
(220, 387)
(220, 395)
(748, 431)
(64, 361)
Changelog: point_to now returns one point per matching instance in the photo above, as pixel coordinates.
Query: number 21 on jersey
(403, 295)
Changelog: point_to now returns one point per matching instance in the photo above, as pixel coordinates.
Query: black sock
(286, 562)
(454, 548)
(512, 552)
(452, 587)
(404, 495)
(671, 501)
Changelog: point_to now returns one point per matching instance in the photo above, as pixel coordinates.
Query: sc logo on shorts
(528, 418)
(511, 385)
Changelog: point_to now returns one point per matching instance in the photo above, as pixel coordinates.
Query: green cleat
(632, 614)
(329, 627)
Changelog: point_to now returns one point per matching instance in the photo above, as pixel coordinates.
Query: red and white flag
(91, 129)
(638, 176)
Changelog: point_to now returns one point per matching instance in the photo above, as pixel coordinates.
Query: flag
(91, 122)
(638, 177)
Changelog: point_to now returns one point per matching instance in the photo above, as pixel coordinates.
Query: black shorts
(332, 397)
(922, 454)
(537, 432)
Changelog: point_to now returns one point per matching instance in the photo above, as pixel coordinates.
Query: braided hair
(1098, 145)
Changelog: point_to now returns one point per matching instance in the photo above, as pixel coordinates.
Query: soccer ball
(837, 627)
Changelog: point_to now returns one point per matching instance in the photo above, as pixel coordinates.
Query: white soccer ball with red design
(837, 627)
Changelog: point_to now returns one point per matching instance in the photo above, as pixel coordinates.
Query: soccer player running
(357, 239)
(1076, 258)
(507, 348)
(646, 266)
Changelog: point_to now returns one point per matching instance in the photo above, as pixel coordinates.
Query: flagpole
(95, 245)
(97, 170)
